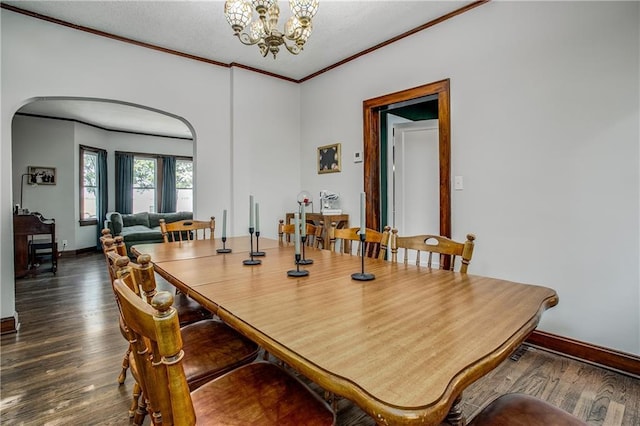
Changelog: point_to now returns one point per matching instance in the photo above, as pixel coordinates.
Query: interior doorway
(412, 176)
(374, 157)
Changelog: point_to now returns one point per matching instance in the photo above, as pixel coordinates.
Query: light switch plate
(458, 183)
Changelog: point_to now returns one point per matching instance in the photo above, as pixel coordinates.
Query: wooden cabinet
(26, 249)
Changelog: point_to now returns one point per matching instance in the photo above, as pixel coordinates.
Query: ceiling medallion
(264, 31)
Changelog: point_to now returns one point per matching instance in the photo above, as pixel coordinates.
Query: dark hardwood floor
(61, 368)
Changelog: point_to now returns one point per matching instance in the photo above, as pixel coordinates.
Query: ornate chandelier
(264, 30)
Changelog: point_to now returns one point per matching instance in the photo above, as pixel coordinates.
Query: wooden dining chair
(376, 243)
(314, 233)
(110, 245)
(188, 230)
(446, 249)
(213, 347)
(189, 310)
(257, 393)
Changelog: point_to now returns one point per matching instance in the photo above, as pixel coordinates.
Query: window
(144, 184)
(184, 185)
(88, 185)
(153, 182)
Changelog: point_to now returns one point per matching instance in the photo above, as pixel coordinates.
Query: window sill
(88, 222)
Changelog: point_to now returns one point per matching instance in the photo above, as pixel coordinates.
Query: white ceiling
(109, 116)
(341, 29)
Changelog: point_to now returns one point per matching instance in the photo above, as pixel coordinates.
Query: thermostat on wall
(357, 157)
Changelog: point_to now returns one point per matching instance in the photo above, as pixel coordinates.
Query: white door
(415, 180)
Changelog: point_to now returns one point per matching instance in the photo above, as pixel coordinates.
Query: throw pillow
(141, 218)
(116, 223)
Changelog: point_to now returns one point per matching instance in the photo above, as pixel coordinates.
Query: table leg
(455, 416)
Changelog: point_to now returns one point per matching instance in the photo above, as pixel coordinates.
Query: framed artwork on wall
(42, 175)
(329, 157)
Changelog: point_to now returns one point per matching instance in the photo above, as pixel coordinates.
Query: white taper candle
(303, 227)
(296, 235)
(363, 220)
(250, 211)
(224, 223)
(257, 217)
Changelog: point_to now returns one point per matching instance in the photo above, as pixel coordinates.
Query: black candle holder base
(362, 276)
(297, 273)
(303, 260)
(251, 262)
(224, 248)
(258, 253)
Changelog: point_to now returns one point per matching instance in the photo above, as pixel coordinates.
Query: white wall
(545, 131)
(267, 146)
(46, 143)
(545, 118)
(40, 59)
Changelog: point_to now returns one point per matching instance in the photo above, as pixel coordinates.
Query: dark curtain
(103, 193)
(169, 196)
(124, 182)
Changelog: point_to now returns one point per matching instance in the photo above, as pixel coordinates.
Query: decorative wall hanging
(42, 175)
(329, 158)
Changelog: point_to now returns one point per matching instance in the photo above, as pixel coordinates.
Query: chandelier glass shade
(264, 31)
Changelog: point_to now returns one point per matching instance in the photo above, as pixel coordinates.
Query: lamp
(32, 181)
(304, 198)
(264, 30)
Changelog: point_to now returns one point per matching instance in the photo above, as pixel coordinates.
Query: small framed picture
(42, 175)
(329, 158)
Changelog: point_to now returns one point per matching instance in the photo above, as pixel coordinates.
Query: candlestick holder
(297, 272)
(224, 249)
(251, 261)
(362, 276)
(304, 260)
(258, 253)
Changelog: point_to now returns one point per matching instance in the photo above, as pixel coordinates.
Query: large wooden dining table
(402, 346)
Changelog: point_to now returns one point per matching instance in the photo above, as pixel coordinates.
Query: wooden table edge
(383, 413)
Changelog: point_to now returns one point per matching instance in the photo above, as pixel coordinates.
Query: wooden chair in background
(314, 233)
(375, 244)
(256, 393)
(188, 230)
(444, 247)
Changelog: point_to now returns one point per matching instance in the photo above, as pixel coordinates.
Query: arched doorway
(48, 131)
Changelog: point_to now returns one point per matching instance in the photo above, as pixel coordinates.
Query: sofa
(141, 228)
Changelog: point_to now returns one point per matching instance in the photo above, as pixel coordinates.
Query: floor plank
(61, 368)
